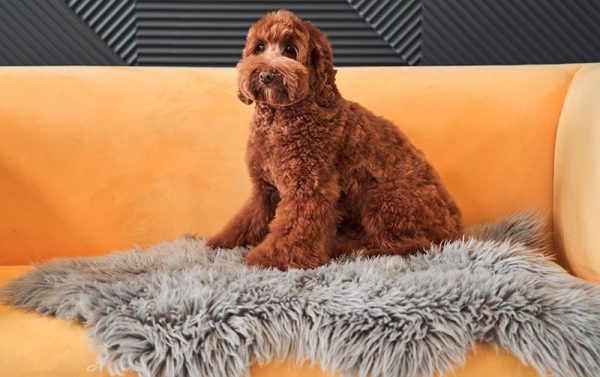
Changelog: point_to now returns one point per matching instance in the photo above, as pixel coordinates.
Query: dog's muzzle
(266, 77)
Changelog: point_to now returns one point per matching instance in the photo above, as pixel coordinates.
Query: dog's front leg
(305, 221)
(250, 225)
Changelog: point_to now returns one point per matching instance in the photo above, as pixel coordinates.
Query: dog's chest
(268, 163)
(264, 153)
(277, 140)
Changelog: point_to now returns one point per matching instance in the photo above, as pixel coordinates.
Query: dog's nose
(265, 77)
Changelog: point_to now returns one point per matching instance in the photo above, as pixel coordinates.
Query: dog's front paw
(264, 256)
(222, 241)
(270, 255)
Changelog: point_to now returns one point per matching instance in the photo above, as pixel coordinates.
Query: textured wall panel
(113, 21)
(46, 32)
(510, 31)
(398, 22)
(363, 32)
(212, 33)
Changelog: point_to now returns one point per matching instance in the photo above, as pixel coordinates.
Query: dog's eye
(290, 50)
(259, 48)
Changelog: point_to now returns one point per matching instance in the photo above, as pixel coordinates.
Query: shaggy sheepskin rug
(181, 309)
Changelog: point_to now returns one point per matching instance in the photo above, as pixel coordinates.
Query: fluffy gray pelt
(181, 309)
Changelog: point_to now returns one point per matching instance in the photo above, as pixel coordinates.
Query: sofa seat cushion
(33, 345)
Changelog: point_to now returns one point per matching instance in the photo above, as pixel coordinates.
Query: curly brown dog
(328, 175)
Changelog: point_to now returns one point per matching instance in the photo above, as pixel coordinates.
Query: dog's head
(285, 61)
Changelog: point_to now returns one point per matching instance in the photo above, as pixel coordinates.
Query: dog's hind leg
(396, 224)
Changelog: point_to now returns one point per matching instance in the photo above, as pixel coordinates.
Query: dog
(328, 176)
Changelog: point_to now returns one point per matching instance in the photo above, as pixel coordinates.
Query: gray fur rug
(180, 309)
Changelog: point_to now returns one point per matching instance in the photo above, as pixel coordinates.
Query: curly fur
(328, 175)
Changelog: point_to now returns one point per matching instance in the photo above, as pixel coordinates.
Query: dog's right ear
(245, 100)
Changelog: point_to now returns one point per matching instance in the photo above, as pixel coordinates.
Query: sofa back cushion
(96, 159)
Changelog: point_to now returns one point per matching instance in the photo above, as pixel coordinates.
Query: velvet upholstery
(99, 159)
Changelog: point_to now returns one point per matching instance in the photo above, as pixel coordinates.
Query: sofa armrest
(576, 214)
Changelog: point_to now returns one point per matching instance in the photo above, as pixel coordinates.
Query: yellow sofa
(99, 159)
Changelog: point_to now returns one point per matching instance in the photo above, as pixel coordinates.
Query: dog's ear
(321, 59)
(245, 100)
(242, 80)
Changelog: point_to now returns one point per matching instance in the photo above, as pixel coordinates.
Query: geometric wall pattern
(113, 21)
(362, 32)
(511, 31)
(398, 22)
(202, 32)
(47, 32)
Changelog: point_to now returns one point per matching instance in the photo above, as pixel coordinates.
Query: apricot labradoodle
(328, 175)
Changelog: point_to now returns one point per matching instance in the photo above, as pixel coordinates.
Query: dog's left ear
(321, 58)
(245, 100)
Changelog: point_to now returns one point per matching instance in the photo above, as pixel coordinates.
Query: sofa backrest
(95, 159)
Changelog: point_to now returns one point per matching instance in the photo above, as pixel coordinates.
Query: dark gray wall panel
(202, 32)
(114, 21)
(398, 22)
(363, 32)
(510, 31)
(46, 32)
